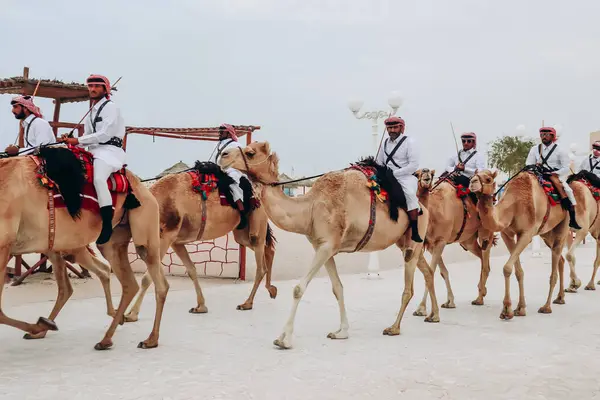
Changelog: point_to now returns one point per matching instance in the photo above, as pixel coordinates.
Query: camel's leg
(65, 290)
(338, 292)
(134, 311)
(409, 273)
(515, 251)
(129, 285)
(575, 283)
(421, 310)
(84, 258)
(484, 256)
(269, 257)
(446, 275)
(183, 254)
(322, 254)
(546, 309)
(42, 325)
(259, 255)
(560, 299)
(150, 255)
(590, 285)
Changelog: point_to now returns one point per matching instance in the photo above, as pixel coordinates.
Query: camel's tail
(495, 239)
(271, 240)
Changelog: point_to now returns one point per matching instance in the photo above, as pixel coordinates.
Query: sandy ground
(228, 354)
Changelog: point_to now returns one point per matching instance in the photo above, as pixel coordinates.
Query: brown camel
(181, 223)
(450, 222)
(26, 230)
(523, 211)
(587, 211)
(334, 216)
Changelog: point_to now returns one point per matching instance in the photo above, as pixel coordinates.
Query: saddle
(549, 183)
(589, 179)
(461, 185)
(68, 175)
(208, 176)
(384, 185)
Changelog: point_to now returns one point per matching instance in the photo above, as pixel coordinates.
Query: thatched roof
(211, 134)
(49, 88)
(175, 168)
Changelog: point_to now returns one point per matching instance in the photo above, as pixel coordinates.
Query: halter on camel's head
(484, 182)
(255, 156)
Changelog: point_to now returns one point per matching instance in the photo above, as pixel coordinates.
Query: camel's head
(256, 160)
(483, 182)
(425, 177)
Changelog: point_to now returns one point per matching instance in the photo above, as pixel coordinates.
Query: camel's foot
(575, 284)
(590, 286)
(432, 318)
(85, 273)
(559, 300)
(340, 334)
(391, 331)
(200, 310)
(272, 291)
(105, 344)
(570, 290)
(545, 310)
(149, 343)
(131, 317)
(420, 312)
(111, 313)
(245, 306)
(449, 304)
(46, 325)
(520, 311)
(478, 301)
(283, 342)
(31, 336)
(507, 314)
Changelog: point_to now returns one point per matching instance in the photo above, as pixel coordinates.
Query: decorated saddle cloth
(547, 186)
(461, 184)
(383, 184)
(208, 176)
(69, 173)
(589, 179)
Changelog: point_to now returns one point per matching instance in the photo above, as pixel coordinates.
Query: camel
(334, 216)
(26, 227)
(181, 223)
(449, 224)
(587, 211)
(523, 211)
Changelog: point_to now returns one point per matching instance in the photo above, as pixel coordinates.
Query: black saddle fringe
(387, 181)
(587, 175)
(65, 169)
(223, 182)
(131, 201)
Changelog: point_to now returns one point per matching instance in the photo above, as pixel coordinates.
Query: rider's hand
(12, 150)
(68, 140)
(460, 167)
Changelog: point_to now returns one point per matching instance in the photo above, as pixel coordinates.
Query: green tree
(509, 153)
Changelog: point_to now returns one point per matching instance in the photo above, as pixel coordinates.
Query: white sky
(291, 67)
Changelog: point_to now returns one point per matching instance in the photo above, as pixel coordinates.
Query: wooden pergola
(74, 92)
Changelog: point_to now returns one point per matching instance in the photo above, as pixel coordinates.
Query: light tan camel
(449, 224)
(25, 223)
(587, 212)
(334, 216)
(522, 211)
(181, 223)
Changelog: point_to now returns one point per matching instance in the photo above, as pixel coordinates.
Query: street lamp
(394, 101)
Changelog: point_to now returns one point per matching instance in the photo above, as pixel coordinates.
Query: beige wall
(593, 137)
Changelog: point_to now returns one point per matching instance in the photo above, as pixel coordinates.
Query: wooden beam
(26, 72)
(56, 115)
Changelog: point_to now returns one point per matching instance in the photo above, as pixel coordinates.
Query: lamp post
(394, 101)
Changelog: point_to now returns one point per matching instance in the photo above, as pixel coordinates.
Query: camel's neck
(292, 214)
(423, 196)
(493, 218)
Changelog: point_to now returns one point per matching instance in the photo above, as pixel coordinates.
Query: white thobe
(475, 163)
(558, 162)
(591, 164)
(236, 175)
(404, 163)
(36, 132)
(107, 158)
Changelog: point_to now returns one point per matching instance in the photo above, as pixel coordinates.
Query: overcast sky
(291, 67)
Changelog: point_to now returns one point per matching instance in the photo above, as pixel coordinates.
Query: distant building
(175, 168)
(296, 188)
(593, 137)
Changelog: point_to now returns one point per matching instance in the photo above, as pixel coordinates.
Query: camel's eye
(250, 154)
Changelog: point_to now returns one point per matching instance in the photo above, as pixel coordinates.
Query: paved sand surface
(227, 354)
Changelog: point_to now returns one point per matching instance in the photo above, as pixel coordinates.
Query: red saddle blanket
(372, 181)
(117, 182)
(549, 189)
(595, 191)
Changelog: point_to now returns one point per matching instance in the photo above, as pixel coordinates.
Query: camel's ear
(432, 173)
(494, 173)
(417, 173)
(266, 148)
